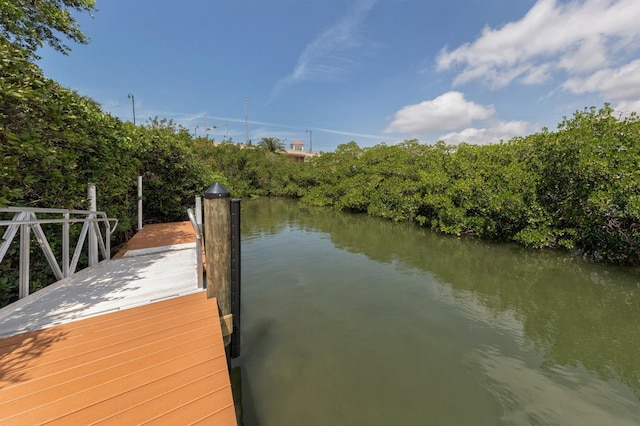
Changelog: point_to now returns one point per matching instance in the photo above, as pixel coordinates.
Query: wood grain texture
(162, 363)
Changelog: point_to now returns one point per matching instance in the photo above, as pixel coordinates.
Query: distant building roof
(297, 143)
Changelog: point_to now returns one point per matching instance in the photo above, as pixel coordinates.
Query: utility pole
(310, 140)
(215, 127)
(133, 104)
(246, 122)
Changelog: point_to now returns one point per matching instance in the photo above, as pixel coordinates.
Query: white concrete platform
(143, 276)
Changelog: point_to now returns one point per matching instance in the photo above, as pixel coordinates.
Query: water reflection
(527, 325)
(568, 396)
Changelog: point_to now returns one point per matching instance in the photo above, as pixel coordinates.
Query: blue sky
(366, 70)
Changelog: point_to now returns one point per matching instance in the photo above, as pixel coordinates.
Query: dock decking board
(162, 362)
(159, 235)
(165, 368)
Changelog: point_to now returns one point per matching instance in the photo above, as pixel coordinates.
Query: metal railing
(196, 222)
(25, 220)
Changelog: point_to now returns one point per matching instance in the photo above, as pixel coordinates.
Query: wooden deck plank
(159, 235)
(48, 383)
(126, 405)
(226, 416)
(96, 339)
(88, 354)
(80, 396)
(155, 410)
(149, 362)
(196, 409)
(99, 323)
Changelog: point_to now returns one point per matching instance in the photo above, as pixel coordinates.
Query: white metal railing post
(25, 251)
(199, 261)
(107, 228)
(79, 245)
(93, 238)
(65, 245)
(199, 213)
(139, 203)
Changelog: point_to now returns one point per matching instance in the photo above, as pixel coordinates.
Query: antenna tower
(246, 122)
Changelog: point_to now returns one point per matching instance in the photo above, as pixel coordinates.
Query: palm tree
(271, 144)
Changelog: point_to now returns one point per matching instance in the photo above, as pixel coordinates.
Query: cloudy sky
(330, 71)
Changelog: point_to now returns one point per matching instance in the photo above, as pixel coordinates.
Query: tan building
(297, 146)
(297, 153)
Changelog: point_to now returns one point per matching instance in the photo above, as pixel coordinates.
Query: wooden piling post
(217, 237)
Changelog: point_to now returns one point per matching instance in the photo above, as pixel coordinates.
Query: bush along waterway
(354, 320)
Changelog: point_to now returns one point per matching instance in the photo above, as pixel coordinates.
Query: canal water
(353, 320)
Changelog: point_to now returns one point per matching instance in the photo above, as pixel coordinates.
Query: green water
(353, 320)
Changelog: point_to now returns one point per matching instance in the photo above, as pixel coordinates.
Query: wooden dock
(160, 362)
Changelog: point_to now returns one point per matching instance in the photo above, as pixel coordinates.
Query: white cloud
(587, 56)
(621, 83)
(500, 131)
(537, 75)
(626, 107)
(331, 52)
(446, 112)
(577, 36)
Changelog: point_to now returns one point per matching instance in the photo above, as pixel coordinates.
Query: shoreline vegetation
(576, 188)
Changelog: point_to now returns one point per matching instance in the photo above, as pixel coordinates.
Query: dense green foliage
(172, 175)
(577, 188)
(29, 24)
(54, 142)
(250, 171)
